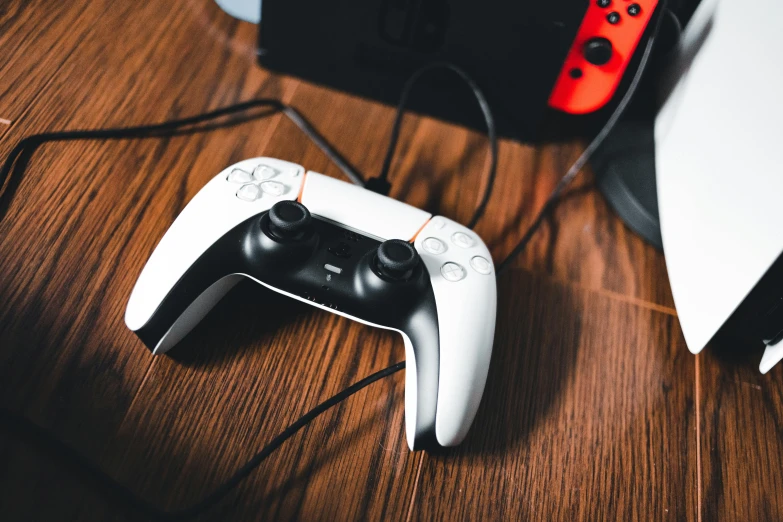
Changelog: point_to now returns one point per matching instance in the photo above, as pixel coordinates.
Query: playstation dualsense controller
(343, 249)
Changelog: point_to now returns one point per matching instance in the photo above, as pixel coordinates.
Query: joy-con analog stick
(289, 219)
(598, 51)
(396, 259)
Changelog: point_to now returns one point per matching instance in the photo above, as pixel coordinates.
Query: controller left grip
(179, 313)
(188, 300)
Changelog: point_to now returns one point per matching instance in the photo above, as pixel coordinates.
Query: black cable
(22, 425)
(19, 424)
(26, 146)
(676, 21)
(30, 143)
(322, 144)
(31, 432)
(15, 164)
(488, 119)
(590, 150)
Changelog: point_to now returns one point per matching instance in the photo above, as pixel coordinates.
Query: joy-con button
(634, 9)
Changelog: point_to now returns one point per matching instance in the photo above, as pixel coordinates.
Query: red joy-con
(604, 45)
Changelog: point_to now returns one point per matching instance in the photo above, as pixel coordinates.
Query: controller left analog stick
(289, 220)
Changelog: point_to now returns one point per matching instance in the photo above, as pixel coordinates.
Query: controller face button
(452, 272)
(437, 223)
(273, 188)
(264, 172)
(249, 192)
(463, 240)
(481, 265)
(575, 73)
(613, 18)
(239, 176)
(603, 3)
(634, 9)
(434, 245)
(598, 51)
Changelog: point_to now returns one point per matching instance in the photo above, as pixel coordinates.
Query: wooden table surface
(594, 408)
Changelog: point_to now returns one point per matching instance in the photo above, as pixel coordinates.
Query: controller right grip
(465, 290)
(466, 338)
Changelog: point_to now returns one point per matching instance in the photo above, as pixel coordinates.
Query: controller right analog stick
(396, 259)
(289, 219)
(598, 51)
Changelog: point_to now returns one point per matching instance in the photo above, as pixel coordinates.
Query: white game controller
(348, 251)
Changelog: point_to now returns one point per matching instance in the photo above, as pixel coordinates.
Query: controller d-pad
(257, 183)
(264, 172)
(239, 176)
(273, 188)
(249, 192)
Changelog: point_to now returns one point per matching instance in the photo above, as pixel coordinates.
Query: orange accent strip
(411, 240)
(301, 189)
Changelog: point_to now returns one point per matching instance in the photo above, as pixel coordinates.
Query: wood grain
(63, 292)
(592, 405)
(741, 436)
(588, 415)
(36, 37)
